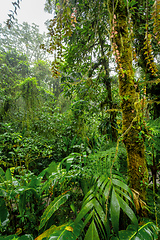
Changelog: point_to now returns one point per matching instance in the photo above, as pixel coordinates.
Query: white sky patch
(31, 11)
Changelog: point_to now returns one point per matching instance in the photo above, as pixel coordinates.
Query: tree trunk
(130, 103)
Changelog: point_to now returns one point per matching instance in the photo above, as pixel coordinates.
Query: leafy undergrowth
(57, 204)
(153, 202)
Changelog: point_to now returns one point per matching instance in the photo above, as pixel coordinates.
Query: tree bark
(130, 103)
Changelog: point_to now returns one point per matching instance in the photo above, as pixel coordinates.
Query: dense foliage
(70, 159)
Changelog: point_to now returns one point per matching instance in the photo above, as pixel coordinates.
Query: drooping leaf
(47, 233)
(101, 226)
(99, 210)
(88, 218)
(88, 197)
(116, 176)
(52, 208)
(121, 185)
(67, 231)
(92, 232)
(92, 209)
(129, 212)
(115, 211)
(84, 210)
(124, 195)
(100, 181)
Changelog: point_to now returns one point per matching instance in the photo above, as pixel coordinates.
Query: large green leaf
(84, 210)
(116, 176)
(52, 208)
(104, 184)
(127, 210)
(92, 209)
(36, 181)
(67, 232)
(122, 185)
(8, 175)
(89, 216)
(147, 231)
(100, 211)
(92, 233)
(48, 232)
(22, 203)
(102, 228)
(88, 197)
(115, 211)
(94, 205)
(100, 181)
(52, 167)
(124, 195)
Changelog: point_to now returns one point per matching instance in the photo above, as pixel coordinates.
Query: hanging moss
(31, 99)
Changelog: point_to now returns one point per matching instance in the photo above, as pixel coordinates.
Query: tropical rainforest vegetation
(80, 122)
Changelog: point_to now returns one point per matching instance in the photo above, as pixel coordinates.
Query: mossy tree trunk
(130, 104)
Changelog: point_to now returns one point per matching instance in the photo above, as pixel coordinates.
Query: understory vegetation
(80, 133)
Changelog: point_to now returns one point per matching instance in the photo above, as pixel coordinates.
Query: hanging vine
(60, 28)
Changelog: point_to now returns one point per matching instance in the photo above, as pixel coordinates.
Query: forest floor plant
(82, 197)
(107, 200)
